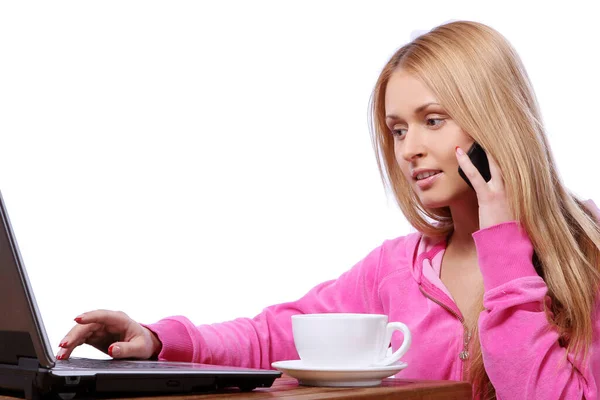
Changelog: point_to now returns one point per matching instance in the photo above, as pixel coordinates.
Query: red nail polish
(110, 350)
(59, 357)
(78, 319)
(456, 148)
(63, 344)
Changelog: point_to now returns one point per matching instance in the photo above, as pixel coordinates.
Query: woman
(498, 286)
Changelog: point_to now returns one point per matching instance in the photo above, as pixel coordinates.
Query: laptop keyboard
(93, 364)
(88, 363)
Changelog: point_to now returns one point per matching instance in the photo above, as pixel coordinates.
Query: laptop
(28, 367)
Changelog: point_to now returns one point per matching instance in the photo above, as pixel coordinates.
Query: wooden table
(288, 388)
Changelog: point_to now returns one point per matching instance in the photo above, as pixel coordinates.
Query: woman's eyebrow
(417, 110)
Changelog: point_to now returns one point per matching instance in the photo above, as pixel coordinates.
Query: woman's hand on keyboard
(113, 333)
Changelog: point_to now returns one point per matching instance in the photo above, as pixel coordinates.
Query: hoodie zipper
(464, 354)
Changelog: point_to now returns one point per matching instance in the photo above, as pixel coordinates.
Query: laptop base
(37, 384)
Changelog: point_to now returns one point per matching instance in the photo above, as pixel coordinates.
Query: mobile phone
(480, 161)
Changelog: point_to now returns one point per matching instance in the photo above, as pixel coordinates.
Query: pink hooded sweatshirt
(521, 351)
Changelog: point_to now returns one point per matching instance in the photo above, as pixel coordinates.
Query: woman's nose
(413, 146)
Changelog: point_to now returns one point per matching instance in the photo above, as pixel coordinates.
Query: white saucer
(337, 376)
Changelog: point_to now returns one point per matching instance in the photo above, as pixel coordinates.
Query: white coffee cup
(347, 340)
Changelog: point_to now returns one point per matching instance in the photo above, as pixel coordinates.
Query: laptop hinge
(30, 364)
(14, 345)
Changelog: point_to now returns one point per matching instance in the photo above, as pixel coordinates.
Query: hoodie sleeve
(259, 341)
(521, 350)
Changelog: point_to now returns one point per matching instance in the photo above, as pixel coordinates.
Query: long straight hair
(480, 81)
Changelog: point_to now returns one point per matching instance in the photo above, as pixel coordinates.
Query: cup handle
(390, 329)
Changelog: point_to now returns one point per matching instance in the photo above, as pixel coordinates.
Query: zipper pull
(463, 355)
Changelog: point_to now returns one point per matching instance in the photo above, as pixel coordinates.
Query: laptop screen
(22, 332)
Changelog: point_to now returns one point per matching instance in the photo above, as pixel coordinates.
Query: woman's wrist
(156, 344)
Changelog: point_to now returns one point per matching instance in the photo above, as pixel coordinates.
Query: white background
(212, 158)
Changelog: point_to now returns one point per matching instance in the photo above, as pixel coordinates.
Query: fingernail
(459, 151)
(114, 350)
(78, 319)
(63, 344)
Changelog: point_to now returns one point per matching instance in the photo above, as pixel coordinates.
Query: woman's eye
(439, 120)
(398, 132)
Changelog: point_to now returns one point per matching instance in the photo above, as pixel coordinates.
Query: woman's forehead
(406, 95)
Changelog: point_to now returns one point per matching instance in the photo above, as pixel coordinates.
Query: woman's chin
(430, 202)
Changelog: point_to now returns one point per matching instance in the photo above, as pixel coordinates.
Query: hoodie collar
(425, 248)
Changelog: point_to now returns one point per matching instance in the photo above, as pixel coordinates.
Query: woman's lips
(428, 182)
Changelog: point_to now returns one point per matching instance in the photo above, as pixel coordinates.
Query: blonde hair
(480, 81)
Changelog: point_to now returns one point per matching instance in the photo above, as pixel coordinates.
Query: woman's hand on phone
(111, 332)
(491, 196)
